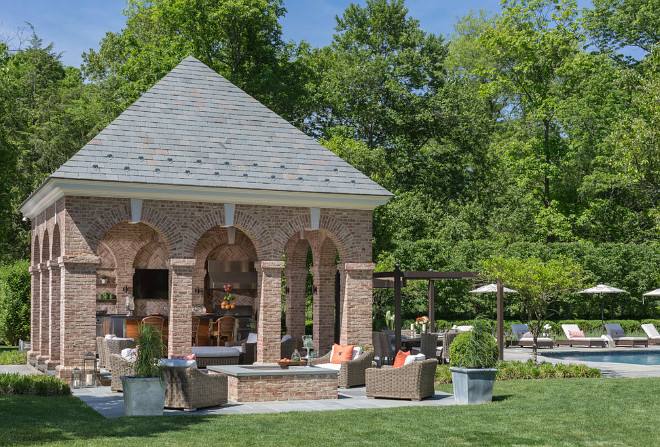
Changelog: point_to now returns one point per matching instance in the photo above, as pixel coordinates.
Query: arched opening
(133, 262)
(225, 257)
(297, 308)
(55, 293)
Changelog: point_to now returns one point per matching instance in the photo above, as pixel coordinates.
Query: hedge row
(13, 357)
(39, 385)
(528, 370)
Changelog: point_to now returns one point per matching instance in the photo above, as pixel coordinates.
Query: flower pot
(143, 396)
(473, 385)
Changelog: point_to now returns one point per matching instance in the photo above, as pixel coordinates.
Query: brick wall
(281, 388)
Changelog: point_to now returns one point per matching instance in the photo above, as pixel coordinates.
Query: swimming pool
(645, 357)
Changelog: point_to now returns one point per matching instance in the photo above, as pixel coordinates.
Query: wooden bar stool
(195, 331)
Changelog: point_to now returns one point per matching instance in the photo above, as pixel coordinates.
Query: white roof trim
(55, 188)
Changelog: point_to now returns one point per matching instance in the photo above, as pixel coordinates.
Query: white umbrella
(601, 289)
(655, 292)
(491, 288)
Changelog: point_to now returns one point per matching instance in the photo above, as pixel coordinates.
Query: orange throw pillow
(400, 358)
(341, 353)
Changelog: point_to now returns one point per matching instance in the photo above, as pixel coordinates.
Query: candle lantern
(76, 378)
(90, 363)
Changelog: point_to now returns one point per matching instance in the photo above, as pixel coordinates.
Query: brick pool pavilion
(195, 171)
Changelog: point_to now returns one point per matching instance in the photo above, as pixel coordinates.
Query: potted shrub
(472, 358)
(144, 392)
(104, 279)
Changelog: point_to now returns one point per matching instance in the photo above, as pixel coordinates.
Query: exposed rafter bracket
(136, 210)
(230, 209)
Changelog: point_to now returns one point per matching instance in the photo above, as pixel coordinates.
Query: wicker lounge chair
(413, 381)
(652, 332)
(190, 388)
(522, 338)
(617, 333)
(579, 341)
(447, 339)
(119, 367)
(351, 372)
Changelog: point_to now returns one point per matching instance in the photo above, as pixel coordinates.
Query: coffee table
(269, 382)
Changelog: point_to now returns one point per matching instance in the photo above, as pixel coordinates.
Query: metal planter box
(473, 385)
(143, 396)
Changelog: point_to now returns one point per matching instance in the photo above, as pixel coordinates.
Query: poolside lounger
(652, 332)
(572, 332)
(524, 338)
(615, 331)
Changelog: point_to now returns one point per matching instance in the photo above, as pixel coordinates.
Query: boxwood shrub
(527, 370)
(39, 385)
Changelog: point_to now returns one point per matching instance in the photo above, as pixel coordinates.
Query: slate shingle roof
(196, 128)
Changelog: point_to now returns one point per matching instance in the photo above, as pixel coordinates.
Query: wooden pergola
(398, 279)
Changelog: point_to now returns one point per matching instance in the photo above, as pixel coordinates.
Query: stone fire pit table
(266, 382)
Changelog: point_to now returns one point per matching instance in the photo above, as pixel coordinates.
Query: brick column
(269, 324)
(179, 338)
(77, 312)
(54, 315)
(295, 303)
(44, 297)
(35, 290)
(357, 304)
(324, 308)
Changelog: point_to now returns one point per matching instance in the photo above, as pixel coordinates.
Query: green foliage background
(526, 132)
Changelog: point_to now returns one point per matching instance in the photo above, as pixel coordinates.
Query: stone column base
(64, 373)
(42, 359)
(52, 364)
(32, 355)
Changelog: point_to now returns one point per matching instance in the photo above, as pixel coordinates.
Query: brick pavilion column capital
(181, 262)
(262, 266)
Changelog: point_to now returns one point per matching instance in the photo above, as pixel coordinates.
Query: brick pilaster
(295, 303)
(269, 325)
(54, 315)
(181, 298)
(35, 290)
(357, 310)
(77, 311)
(324, 308)
(44, 305)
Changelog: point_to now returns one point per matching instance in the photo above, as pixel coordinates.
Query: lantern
(76, 378)
(89, 369)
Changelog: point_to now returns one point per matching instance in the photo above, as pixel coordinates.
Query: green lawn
(554, 412)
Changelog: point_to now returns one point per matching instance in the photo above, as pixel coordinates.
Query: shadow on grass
(28, 420)
(502, 397)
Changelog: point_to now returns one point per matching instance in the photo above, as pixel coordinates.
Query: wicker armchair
(190, 388)
(119, 367)
(352, 371)
(447, 340)
(102, 352)
(249, 351)
(413, 381)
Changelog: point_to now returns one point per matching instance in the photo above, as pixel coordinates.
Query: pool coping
(608, 369)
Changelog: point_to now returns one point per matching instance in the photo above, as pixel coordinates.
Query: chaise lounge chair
(617, 333)
(523, 337)
(652, 333)
(573, 338)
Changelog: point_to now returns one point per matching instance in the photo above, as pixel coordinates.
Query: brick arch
(150, 217)
(107, 255)
(56, 245)
(153, 255)
(325, 255)
(45, 247)
(331, 227)
(36, 249)
(243, 221)
(295, 252)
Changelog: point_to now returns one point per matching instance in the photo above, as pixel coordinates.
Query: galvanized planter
(143, 396)
(473, 385)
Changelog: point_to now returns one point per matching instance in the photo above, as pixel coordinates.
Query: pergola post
(397, 308)
(500, 319)
(432, 304)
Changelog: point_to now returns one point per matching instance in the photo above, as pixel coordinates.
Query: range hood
(240, 274)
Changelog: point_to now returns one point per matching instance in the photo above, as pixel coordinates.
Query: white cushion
(464, 328)
(129, 354)
(286, 337)
(414, 358)
(178, 363)
(650, 330)
(252, 338)
(109, 336)
(335, 366)
(216, 351)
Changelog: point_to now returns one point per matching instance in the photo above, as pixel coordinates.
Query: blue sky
(77, 25)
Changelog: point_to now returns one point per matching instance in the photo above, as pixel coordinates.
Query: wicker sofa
(107, 346)
(119, 367)
(189, 388)
(351, 372)
(413, 381)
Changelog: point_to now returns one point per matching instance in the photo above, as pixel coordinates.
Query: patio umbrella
(655, 292)
(491, 288)
(601, 289)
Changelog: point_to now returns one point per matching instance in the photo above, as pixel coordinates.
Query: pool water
(631, 357)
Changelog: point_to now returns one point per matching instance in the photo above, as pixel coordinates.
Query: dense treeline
(530, 130)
